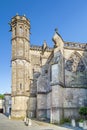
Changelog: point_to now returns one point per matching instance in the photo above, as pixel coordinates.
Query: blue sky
(69, 16)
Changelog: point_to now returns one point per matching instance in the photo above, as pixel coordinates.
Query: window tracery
(74, 64)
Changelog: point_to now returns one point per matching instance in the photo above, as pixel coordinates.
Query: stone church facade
(47, 83)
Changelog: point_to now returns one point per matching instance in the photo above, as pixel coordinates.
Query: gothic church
(47, 83)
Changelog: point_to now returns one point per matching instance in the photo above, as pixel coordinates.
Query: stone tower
(20, 27)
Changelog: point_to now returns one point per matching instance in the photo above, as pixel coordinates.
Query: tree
(1, 96)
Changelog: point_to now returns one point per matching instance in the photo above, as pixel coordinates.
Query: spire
(44, 46)
(16, 14)
(56, 30)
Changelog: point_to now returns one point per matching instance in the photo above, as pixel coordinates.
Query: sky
(69, 16)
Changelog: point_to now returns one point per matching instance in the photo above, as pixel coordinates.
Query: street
(8, 124)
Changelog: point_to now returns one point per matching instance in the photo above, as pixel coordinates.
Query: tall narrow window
(21, 30)
(26, 32)
(50, 73)
(15, 31)
(20, 86)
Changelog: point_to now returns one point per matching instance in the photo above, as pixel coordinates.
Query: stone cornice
(39, 48)
(75, 46)
(20, 58)
(20, 18)
(45, 92)
(20, 37)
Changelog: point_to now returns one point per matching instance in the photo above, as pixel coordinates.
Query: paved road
(6, 124)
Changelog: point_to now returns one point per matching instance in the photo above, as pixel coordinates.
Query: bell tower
(20, 27)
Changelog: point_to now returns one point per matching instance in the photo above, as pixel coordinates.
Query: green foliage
(65, 120)
(83, 111)
(81, 120)
(1, 96)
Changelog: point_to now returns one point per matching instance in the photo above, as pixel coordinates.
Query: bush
(65, 120)
(83, 111)
(81, 120)
(1, 96)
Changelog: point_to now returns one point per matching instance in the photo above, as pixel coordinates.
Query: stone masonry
(47, 83)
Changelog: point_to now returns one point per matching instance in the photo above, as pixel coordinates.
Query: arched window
(75, 63)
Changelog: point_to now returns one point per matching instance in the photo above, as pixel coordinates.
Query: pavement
(70, 127)
(8, 124)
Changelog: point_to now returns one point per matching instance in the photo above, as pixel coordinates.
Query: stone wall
(49, 103)
(75, 68)
(2, 101)
(74, 98)
(46, 82)
(42, 106)
(43, 96)
(19, 106)
(57, 103)
(7, 104)
(32, 106)
(20, 77)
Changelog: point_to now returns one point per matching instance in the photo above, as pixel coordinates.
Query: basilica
(47, 83)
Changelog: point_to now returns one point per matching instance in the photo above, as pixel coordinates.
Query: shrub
(81, 120)
(65, 120)
(83, 111)
(1, 96)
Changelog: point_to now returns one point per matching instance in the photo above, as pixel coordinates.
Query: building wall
(1, 105)
(7, 104)
(46, 82)
(20, 65)
(19, 106)
(75, 68)
(73, 99)
(69, 80)
(49, 104)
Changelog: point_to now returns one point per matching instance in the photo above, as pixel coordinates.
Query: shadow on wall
(76, 70)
